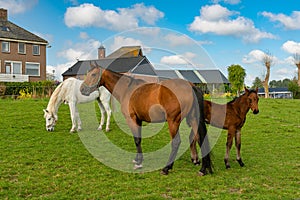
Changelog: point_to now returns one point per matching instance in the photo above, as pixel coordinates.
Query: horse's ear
(96, 64)
(246, 90)
(92, 65)
(45, 111)
(256, 90)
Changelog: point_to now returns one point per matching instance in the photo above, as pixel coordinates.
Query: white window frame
(12, 67)
(20, 52)
(34, 63)
(8, 45)
(36, 53)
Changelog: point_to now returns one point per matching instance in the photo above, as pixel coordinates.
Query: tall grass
(37, 164)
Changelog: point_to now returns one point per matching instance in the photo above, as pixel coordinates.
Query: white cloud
(291, 47)
(83, 35)
(232, 2)
(17, 6)
(219, 20)
(184, 59)
(178, 40)
(120, 41)
(81, 51)
(253, 56)
(289, 22)
(86, 15)
(284, 73)
(59, 69)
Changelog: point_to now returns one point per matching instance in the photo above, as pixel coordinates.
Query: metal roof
(194, 76)
(164, 74)
(213, 76)
(138, 65)
(190, 76)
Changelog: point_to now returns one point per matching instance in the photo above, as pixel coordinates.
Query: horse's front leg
(78, 119)
(238, 144)
(108, 113)
(73, 114)
(136, 127)
(102, 117)
(173, 128)
(230, 135)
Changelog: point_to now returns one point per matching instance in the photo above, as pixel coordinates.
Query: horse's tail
(202, 131)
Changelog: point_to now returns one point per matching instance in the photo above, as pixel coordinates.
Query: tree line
(237, 74)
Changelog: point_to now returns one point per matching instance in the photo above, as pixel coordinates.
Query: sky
(197, 34)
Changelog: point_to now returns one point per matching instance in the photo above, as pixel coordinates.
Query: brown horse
(170, 100)
(231, 117)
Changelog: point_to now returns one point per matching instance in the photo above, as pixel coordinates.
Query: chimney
(101, 52)
(3, 14)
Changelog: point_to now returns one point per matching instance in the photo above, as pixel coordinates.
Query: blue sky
(174, 34)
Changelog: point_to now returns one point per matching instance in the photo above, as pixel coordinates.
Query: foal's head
(253, 100)
(50, 120)
(92, 80)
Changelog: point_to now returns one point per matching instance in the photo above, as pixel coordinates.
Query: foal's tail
(202, 131)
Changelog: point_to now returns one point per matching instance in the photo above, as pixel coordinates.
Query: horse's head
(50, 120)
(253, 100)
(92, 80)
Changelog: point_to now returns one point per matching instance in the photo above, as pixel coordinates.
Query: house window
(32, 69)
(13, 67)
(21, 48)
(5, 46)
(36, 49)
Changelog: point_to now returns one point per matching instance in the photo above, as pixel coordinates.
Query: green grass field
(36, 164)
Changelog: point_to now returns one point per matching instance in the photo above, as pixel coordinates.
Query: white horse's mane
(55, 99)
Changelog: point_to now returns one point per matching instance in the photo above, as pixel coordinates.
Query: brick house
(22, 53)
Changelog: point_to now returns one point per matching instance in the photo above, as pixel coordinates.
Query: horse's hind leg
(193, 142)
(238, 148)
(173, 128)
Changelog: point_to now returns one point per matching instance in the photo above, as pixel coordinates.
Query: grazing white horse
(69, 92)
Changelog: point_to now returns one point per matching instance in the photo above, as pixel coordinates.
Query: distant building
(126, 60)
(276, 93)
(212, 79)
(22, 54)
(131, 61)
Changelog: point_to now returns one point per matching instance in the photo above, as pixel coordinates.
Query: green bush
(37, 89)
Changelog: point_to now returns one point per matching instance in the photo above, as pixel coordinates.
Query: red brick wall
(13, 55)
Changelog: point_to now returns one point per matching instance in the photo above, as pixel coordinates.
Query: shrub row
(35, 89)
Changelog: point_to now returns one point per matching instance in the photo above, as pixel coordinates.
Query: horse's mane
(238, 98)
(54, 98)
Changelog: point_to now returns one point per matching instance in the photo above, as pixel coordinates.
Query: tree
(297, 63)
(295, 88)
(268, 62)
(236, 76)
(257, 83)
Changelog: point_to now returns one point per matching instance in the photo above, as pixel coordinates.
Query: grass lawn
(37, 164)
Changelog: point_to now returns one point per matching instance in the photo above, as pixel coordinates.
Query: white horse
(69, 92)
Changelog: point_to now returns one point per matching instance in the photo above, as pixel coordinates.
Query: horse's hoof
(72, 131)
(240, 162)
(136, 166)
(107, 130)
(202, 173)
(164, 172)
(227, 166)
